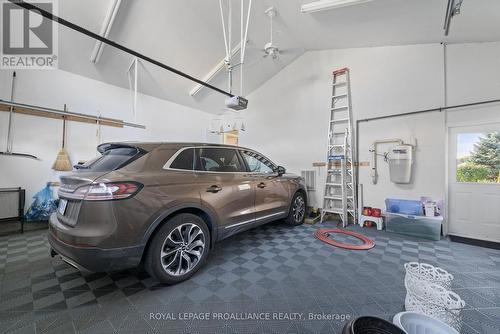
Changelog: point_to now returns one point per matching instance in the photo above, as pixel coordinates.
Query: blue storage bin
(415, 226)
(404, 206)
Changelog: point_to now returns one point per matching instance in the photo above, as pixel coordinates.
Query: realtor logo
(29, 40)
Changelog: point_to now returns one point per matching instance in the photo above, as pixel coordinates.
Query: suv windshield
(111, 159)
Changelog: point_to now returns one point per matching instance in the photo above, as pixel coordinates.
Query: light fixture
(321, 5)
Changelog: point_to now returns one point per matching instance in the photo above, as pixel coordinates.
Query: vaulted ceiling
(187, 34)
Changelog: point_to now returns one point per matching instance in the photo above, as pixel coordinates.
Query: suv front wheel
(178, 249)
(297, 210)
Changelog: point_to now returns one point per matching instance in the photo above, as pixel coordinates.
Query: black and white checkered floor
(269, 269)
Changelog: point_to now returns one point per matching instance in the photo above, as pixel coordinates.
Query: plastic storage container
(404, 206)
(415, 226)
(416, 323)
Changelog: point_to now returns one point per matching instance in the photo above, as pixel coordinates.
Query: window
(257, 163)
(219, 160)
(111, 160)
(478, 157)
(184, 160)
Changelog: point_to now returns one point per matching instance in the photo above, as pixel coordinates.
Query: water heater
(400, 162)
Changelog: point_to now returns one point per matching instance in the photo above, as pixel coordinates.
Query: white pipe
(373, 150)
(105, 30)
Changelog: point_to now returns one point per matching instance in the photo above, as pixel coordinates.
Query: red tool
(367, 211)
(376, 212)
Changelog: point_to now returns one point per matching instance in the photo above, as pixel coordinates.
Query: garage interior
(387, 112)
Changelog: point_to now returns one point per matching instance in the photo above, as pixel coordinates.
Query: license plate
(62, 206)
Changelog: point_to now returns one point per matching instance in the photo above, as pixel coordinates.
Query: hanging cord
(271, 33)
(243, 43)
(98, 130)
(228, 39)
(64, 128)
(229, 44)
(11, 111)
(224, 28)
(135, 87)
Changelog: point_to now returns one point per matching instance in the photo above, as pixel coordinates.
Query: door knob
(214, 189)
(261, 185)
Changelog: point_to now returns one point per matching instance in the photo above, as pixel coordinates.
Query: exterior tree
(469, 172)
(487, 153)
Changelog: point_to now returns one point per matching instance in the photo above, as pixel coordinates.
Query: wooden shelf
(38, 111)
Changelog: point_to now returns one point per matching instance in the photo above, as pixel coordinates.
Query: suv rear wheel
(297, 210)
(178, 249)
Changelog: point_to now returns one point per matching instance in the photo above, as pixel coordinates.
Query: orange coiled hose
(324, 233)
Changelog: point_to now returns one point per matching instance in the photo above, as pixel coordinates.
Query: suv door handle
(261, 185)
(214, 189)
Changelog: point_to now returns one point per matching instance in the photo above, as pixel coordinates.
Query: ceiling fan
(270, 49)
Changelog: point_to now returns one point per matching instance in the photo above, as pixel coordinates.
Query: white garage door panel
(463, 211)
(491, 212)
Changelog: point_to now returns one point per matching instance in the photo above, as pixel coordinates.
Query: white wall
(473, 72)
(164, 121)
(289, 121)
(287, 117)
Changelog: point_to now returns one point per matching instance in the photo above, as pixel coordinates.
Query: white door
(474, 181)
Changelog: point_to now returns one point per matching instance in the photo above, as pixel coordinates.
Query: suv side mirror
(280, 170)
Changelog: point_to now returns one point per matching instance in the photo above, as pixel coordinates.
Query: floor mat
(273, 268)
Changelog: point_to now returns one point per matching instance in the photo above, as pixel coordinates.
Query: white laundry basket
(424, 272)
(416, 323)
(427, 292)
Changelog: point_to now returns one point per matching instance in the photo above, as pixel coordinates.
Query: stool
(379, 221)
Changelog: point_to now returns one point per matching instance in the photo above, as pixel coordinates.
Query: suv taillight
(108, 191)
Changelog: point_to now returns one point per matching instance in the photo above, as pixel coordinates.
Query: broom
(63, 162)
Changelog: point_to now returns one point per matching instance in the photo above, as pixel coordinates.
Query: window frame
(273, 168)
(176, 155)
(88, 168)
(196, 149)
(239, 154)
(236, 151)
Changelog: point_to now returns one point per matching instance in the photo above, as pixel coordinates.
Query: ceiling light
(321, 5)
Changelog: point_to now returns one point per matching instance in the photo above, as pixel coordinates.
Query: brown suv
(165, 205)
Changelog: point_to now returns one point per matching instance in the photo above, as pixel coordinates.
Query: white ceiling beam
(105, 30)
(321, 5)
(214, 71)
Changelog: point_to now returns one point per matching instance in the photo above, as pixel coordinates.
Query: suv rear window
(111, 160)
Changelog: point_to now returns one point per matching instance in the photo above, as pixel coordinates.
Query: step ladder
(340, 186)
